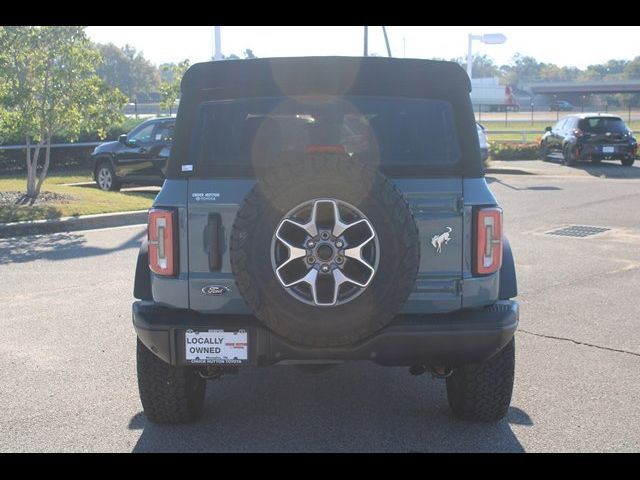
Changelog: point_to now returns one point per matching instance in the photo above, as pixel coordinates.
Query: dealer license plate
(608, 149)
(216, 346)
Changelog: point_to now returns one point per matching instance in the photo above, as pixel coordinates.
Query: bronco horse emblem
(438, 240)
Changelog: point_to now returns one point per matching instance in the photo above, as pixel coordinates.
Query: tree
(522, 69)
(247, 53)
(170, 90)
(483, 66)
(127, 69)
(48, 85)
(632, 69)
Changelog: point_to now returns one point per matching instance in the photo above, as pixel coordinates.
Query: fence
(542, 115)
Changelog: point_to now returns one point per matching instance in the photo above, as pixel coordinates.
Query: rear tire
(169, 394)
(482, 392)
(543, 153)
(567, 157)
(627, 162)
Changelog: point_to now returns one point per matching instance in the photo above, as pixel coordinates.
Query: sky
(564, 46)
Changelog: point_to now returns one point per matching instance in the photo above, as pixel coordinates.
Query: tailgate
(212, 206)
(437, 207)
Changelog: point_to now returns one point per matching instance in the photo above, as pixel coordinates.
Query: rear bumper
(467, 336)
(588, 150)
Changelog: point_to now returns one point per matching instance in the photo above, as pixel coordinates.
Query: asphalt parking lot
(67, 347)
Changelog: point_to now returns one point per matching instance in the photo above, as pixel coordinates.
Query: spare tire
(324, 250)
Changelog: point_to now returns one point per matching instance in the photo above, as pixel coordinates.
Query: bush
(513, 151)
(72, 158)
(62, 159)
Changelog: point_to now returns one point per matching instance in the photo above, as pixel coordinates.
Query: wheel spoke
(339, 226)
(368, 269)
(355, 253)
(356, 248)
(339, 278)
(281, 234)
(310, 227)
(309, 278)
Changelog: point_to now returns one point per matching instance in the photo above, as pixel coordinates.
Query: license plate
(608, 149)
(216, 346)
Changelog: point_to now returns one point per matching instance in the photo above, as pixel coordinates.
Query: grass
(518, 126)
(88, 199)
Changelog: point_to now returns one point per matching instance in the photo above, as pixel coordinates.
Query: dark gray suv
(324, 210)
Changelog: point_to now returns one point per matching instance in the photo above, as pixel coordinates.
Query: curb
(509, 171)
(70, 224)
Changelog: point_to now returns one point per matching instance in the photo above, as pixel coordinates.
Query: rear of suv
(589, 136)
(319, 211)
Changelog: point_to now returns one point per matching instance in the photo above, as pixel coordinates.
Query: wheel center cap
(324, 252)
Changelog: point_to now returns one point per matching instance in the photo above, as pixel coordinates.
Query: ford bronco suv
(324, 210)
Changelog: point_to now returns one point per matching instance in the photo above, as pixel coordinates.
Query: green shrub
(62, 158)
(513, 151)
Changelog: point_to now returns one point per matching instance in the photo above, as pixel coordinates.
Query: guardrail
(53, 145)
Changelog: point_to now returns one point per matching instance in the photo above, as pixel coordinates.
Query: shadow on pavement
(354, 407)
(57, 246)
(147, 189)
(605, 169)
(491, 180)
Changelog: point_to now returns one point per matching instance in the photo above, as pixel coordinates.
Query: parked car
(278, 239)
(589, 136)
(484, 141)
(560, 106)
(139, 157)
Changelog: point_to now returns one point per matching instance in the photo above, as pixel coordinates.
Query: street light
(489, 38)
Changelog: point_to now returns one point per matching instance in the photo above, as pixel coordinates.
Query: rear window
(602, 125)
(400, 132)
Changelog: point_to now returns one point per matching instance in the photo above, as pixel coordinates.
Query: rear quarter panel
(476, 291)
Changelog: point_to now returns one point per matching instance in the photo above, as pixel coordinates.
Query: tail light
(488, 241)
(578, 133)
(162, 242)
(311, 149)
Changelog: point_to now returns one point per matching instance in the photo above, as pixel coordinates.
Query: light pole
(489, 38)
(217, 43)
(532, 105)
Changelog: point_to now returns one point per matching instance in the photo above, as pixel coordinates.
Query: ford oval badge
(215, 290)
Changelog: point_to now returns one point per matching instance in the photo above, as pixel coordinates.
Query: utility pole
(386, 40)
(366, 41)
(217, 45)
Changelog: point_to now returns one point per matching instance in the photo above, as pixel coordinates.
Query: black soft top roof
(326, 75)
(374, 76)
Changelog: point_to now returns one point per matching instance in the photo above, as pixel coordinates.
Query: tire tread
(482, 392)
(168, 393)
